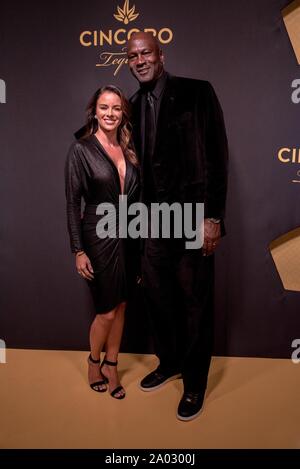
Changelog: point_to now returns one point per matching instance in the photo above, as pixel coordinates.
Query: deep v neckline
(109, 158)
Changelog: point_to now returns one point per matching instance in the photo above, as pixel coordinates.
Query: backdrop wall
(51, 67)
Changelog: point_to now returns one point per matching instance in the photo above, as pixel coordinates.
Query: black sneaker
(156, 379)
(190, 405)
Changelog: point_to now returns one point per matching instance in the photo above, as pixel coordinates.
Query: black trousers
(178, 287)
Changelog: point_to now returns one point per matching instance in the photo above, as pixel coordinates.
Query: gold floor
(45, 402)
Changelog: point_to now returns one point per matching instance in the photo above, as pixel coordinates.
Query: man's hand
(212, 235)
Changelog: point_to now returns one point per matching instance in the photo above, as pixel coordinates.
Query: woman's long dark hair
(124, 130)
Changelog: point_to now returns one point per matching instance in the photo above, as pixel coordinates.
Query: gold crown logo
(126, 14)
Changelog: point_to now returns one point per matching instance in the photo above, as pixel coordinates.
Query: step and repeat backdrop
(53, 56)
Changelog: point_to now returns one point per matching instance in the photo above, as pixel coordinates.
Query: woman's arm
(74, 190)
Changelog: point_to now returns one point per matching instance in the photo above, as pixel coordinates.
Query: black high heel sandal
(103, 381)
(118, 388)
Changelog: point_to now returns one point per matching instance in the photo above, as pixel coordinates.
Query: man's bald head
(145, 57)
(144, 35)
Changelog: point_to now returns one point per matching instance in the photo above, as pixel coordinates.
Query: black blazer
(191, 152)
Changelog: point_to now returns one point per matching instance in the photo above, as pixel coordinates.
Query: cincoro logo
(289, 155)
(119, 37)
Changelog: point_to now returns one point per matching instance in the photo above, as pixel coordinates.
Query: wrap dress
(92, 178)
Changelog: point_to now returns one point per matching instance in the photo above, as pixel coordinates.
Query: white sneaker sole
(161, 384)
(192, 417)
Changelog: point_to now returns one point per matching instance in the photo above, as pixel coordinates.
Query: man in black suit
(180, 138)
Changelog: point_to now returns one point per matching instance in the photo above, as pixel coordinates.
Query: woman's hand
(84, 266)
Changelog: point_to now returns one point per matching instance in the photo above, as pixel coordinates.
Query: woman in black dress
(100, 167)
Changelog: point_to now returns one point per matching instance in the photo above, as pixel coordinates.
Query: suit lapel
(165, 111)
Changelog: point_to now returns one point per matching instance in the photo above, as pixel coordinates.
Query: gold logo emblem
(118, 37)
(126, 14)
(290, 156)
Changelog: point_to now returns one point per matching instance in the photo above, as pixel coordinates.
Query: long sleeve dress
(91, 175)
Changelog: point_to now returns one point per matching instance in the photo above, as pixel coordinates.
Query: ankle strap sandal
(95, 385)
(118, 388)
